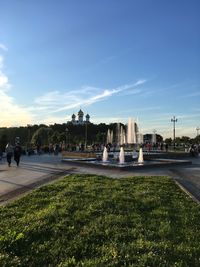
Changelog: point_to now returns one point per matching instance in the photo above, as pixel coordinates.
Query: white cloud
(4, 84)
(140, 110)
(11, 113)
(53, 102)
(51, 119)
(3, 47)
(139, 82)
(1, 61)
(86, 96)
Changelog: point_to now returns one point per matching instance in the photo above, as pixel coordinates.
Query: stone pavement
(189, 178)
(37, 170)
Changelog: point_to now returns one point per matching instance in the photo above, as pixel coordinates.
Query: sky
(114, 59)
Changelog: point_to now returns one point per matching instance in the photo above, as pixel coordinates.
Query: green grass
(85, 220)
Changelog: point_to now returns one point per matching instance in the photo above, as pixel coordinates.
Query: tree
(168, 141)
(42, 136)
(159, 138)
(185, 139)
(54, 138)
(196, 140)
(178, 140)
(3, 142)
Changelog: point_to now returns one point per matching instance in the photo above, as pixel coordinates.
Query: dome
(80, 112)
(87, 116)
(73, 116)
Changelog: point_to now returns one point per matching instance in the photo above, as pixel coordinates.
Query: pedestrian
(17, 153)
(166, 147)
(9, 153)
(1, 154)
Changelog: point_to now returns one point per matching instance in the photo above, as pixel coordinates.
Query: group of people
(13, 151)
(194, 150)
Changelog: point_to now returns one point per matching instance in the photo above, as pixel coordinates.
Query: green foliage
(159, 138)
(168, 141)
(42, 136)
(85, 220)
(56, 133)
(185, 139)
(196, 140)
(3, 142)
(53, 138)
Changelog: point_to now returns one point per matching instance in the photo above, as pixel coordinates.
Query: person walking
(9, 153)
(1, 154)
(17, 153)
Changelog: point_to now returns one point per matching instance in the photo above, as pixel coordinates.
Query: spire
(80, 113)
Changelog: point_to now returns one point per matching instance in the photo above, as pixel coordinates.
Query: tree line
(68, 133)
(57, 133)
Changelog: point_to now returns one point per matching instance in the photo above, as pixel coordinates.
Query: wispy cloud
(189, 116)
(3, 47)
(141, 110)
(1, 61)
(56, 101)
(4, 84)
(192, 94)
(49, 107)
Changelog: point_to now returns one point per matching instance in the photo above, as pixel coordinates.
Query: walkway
(37, 170)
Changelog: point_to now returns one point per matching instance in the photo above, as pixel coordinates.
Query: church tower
(73, 118)
(80, 116)
(79, 120)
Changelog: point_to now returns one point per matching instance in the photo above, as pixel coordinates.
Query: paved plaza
(40, 169)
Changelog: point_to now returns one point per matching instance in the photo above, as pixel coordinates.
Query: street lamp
(174, 120)
(29, 137)
(86, 135)
(197, 131)
(66, 135)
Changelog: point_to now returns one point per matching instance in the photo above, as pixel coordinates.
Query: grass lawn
(87, 220)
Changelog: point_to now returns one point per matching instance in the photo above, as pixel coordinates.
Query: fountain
(121, 156)
(119, 161)
(140, 158)
(109, 138)
(124, 160)
(105, 155)
(122, 136)
(131, 132)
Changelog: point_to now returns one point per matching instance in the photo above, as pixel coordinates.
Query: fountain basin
(153, 163)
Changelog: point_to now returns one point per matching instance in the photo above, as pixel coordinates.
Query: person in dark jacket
(17, 153)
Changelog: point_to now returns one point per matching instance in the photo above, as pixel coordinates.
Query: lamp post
(86, 135)
(174, 120)
(197, 131)
(29, 136)
(66, 135)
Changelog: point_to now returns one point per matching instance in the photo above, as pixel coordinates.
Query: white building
(80, 120)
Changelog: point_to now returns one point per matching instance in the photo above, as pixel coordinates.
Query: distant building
(153, 138)
(80, 120)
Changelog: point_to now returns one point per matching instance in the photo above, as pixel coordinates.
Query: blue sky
(114, 59)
